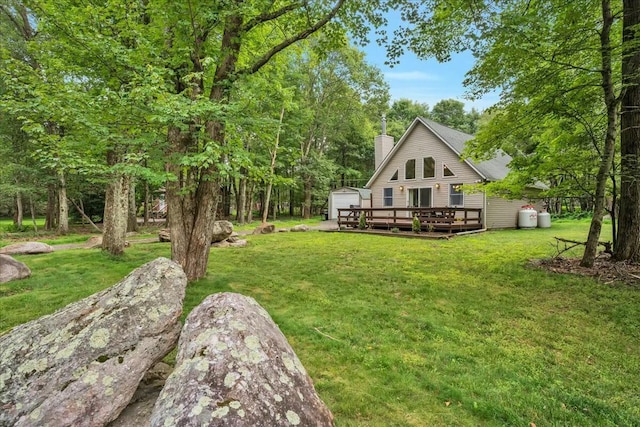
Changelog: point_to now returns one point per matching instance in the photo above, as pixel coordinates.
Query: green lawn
(423, 332)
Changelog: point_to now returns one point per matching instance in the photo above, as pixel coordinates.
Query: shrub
(395, 230)
(415, 224)
(362, 222)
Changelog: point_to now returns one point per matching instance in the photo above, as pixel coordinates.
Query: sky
(426, 81)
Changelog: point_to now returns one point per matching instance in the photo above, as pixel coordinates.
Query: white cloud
(410, 75)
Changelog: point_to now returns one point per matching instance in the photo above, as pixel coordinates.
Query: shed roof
(365, 193)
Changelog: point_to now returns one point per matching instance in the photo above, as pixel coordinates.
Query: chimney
(383, 143)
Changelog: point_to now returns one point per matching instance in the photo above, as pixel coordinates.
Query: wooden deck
(431, 219)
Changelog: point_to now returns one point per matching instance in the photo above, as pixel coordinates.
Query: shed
(346, 197)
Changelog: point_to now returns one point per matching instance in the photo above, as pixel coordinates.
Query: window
(446, 171)
(410, 169)
(387, 197)
(395, 176)
(456, 197)
(428, 167)
(420, 197)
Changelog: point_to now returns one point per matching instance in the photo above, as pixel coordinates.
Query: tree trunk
(249, 208)
(116, 206)
(608, 150)
(132, 217)
(32, 208)
(242, 199)
(19, 211)
(192, 202)
(50, 218)
(274, 155)
(628, 242)
(306, 211)
(63, 206)
(146, 204)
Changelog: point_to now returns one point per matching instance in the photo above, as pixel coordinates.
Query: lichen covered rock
(221, 231)
(12, 269)
(235, 368)
(26, 248)
(81, 365)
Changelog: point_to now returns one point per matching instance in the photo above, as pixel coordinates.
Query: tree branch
(288, 42)
(270, 16)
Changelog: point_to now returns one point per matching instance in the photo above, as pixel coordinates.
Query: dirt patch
(604, 270)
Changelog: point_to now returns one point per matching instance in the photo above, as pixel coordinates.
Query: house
(348, 197)
(424, 169)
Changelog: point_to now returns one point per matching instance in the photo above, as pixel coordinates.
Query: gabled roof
(491, 170)
(365, 193)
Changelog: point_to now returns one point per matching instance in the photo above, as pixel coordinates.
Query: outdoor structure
(348, 197)
(423, 174)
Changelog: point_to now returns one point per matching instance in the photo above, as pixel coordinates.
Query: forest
(233, 109)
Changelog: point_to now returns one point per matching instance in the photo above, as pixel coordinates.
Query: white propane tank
(527, 217)
(544, 219)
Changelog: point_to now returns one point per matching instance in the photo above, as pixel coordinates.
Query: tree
(221, 50)
(628, 243)
(450, 112)
(402, 113)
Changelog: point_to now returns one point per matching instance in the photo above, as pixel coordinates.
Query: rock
(221, 231)
(283, 230)
(138, 412)
(300, 227)
(94, 242)
(11, 269)
(26, 248)
(235, 368)
(233, 238)
(240, 243)
(264, 228)
(81, 365)
(164, 235)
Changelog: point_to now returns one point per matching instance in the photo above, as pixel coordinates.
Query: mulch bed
(604, 270)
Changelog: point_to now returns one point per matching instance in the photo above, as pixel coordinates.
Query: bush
(362, 221)
(395, 230)
(415, 224)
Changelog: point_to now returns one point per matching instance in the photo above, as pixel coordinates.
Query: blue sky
(425, 81)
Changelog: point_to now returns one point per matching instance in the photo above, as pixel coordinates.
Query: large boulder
(164, 235)
(11, 269)
(221, 231)
(81, 365)
(26, 248)
(235, 368)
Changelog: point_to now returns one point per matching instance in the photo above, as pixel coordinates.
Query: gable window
(410, 169)
(387, 197)
(395, 176)
(456, 197)
(446, 171)
(428, 167)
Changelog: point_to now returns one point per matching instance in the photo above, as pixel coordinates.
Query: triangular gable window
(446, 171)
(395, 176)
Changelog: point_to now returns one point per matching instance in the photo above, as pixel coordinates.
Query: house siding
(423, 143)
(503, 213)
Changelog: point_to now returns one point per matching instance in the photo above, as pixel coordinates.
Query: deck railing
(431, 219)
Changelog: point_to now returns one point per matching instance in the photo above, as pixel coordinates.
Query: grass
(407, 332)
